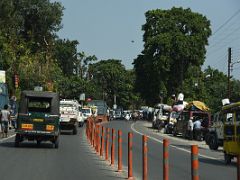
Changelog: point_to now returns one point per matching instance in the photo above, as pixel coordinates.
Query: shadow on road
(216, 162)
(33, 145)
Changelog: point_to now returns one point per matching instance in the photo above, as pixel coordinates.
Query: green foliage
(113, 79)
(174, 40)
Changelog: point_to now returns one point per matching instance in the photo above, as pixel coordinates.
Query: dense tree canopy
(174, 50)
(174, 41)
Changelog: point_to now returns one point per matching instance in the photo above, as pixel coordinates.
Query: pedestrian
(190, 128)
(13, 111)
(197, 129)
(5, 120)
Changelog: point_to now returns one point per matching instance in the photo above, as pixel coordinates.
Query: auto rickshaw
(231, 141)
(38, 117)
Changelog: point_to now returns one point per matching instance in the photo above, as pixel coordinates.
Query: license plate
(27, 126)
(37, 120)
(49, 127)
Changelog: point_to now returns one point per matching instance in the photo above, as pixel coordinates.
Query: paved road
(74, 159)
(211, 162)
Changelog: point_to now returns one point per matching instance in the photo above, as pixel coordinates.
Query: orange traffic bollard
(102, 142)
(165, 159)
(119, 150)
(195, 165)
(93, 134)
(107, 144)
(113, 147)
(99, 139)
(130, 159)
(96, 138)
(144, 151)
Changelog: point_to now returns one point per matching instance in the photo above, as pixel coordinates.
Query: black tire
(227, 158)
(74, 130)
(56, 143)
(185, 135)
(38, 142)
(17, 140)
(213, 142)
(174, 131)
(207, 138)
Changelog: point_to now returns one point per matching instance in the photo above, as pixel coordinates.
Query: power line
(224, 24)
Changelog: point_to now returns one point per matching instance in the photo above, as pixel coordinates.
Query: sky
(112, 29)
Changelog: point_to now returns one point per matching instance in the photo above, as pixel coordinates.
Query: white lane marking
(178, 148)
(4, 139)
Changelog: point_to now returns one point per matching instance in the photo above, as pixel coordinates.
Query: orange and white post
(144, 156)
(130, 158)
(165, 159)
(107, 143)
(113, 147)
(119, 150)
(102, 142)
(195, 163)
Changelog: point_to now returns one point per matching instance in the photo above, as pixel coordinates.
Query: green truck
(38, 118)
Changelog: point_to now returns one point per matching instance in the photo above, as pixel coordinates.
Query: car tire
(17, 140)
(56, 143)
(213, 142)
(227, 158)
(74, 130)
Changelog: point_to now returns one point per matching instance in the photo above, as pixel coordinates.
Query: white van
(87, 112)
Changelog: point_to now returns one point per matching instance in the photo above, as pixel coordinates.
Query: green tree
(113, 80)
(174, 40)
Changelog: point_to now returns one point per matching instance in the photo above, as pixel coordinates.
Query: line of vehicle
(178, 148)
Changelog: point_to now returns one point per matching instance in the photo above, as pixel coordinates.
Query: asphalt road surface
(211, 165)
(74, 159)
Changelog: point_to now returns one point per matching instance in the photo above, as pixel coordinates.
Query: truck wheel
(227, 158)
(74, 130)
(207, 138)
(213, 142)
(17, 140)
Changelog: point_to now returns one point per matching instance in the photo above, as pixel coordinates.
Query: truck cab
(69, 115)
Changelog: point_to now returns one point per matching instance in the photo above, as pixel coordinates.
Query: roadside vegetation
(174, 51)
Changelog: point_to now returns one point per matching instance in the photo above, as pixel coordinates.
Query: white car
(87, 112)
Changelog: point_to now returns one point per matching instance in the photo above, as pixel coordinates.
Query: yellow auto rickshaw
(231, 143)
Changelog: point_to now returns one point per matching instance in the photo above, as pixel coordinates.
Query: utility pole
(229, 71)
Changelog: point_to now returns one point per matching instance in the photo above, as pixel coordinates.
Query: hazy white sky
(111, 29)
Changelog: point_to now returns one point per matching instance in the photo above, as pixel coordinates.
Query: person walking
(5, 120)
(197, 129)
(190, 128)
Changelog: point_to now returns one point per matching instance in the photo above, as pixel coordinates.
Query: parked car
(172, 120)
(161, 113)
(181, 125)
(214, 137)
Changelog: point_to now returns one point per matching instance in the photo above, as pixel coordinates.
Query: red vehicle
(180, 126)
